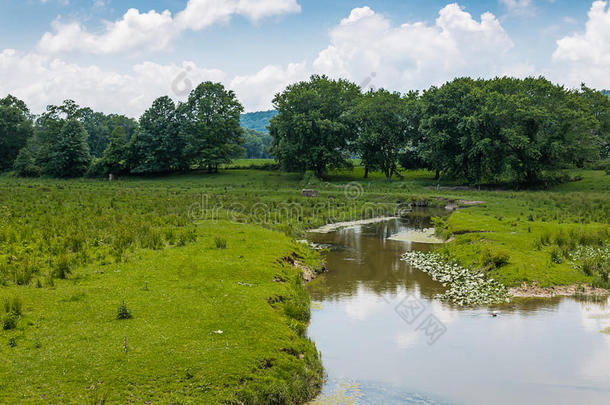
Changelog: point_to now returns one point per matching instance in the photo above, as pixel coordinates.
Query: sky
(118, 56)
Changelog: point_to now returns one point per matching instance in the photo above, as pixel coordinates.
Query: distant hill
(606, 92)
(257, 120)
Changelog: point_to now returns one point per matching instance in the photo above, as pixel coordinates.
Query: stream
(384, 339)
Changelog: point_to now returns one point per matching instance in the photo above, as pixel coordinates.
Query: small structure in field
(110, 177)
(309, 193)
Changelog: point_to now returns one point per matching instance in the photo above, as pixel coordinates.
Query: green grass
(250, 163)
(70, 347)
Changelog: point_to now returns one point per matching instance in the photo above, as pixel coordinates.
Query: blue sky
(102, 55)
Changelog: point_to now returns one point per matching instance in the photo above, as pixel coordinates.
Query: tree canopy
(15, 129)
(313, 129)
(211, 126)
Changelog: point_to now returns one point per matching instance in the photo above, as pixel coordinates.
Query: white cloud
(150, 30)
(415, 55)
(258, 9)
(585, 56)
(256, 91)
(518, 6)
(153, 30)
(40, 80)
(200, 14)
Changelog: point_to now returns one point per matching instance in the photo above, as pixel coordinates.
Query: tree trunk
(366, 172)
(437, 175)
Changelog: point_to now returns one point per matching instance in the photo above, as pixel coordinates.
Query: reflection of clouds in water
(444, 313)
(595, 316)
(597, 365)
(407, 340)
(363, 303)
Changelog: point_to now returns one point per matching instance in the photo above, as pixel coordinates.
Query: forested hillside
(257, 120)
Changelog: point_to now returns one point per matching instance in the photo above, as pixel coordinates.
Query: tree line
(69, 141)
(503, 130)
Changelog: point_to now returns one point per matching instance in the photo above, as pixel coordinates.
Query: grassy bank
(532, 236)
(69, 347)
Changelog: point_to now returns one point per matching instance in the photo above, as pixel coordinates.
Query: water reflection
(543, 351)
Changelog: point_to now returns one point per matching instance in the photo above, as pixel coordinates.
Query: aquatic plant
(465, 287)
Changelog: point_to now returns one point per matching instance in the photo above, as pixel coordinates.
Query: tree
(114, 159)
(505, 130)
(256, 144)
(69, 156)
(97, 126)
(211, 125)
(446, 112)
(15, 129)
(25, 164)
(381, 121)
(313, 129)
(157, 147)
(598, 104)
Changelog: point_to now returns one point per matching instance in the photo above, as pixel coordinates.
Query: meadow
(200, 267)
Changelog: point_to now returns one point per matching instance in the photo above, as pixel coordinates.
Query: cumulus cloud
(585, 56)
(40, 80)
(150, 30)
(256, 91)
(200, 14)
(153, 30)
(415, 55)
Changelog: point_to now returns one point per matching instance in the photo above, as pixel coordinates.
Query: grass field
(71, 252)
(69, 346)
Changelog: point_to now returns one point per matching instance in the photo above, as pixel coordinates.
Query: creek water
(385, 339)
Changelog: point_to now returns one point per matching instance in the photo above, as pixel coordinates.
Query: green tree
(211, 125)
(99, 126)
(25, 164)
(157, 147)
(505, 130)
(15, 129)
(381, 120)
(598, 104)
(313, 129)
(446, 112)
(114, 159)
(256, 144)
(69, 156)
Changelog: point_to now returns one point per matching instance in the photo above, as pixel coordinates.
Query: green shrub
(494, 259)
(187, 236)
(556, 255)
(12, 306)
(152, 239)
(123, 312)
(545, 238)
(62, 267)
(9, 321)
(221, 243)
